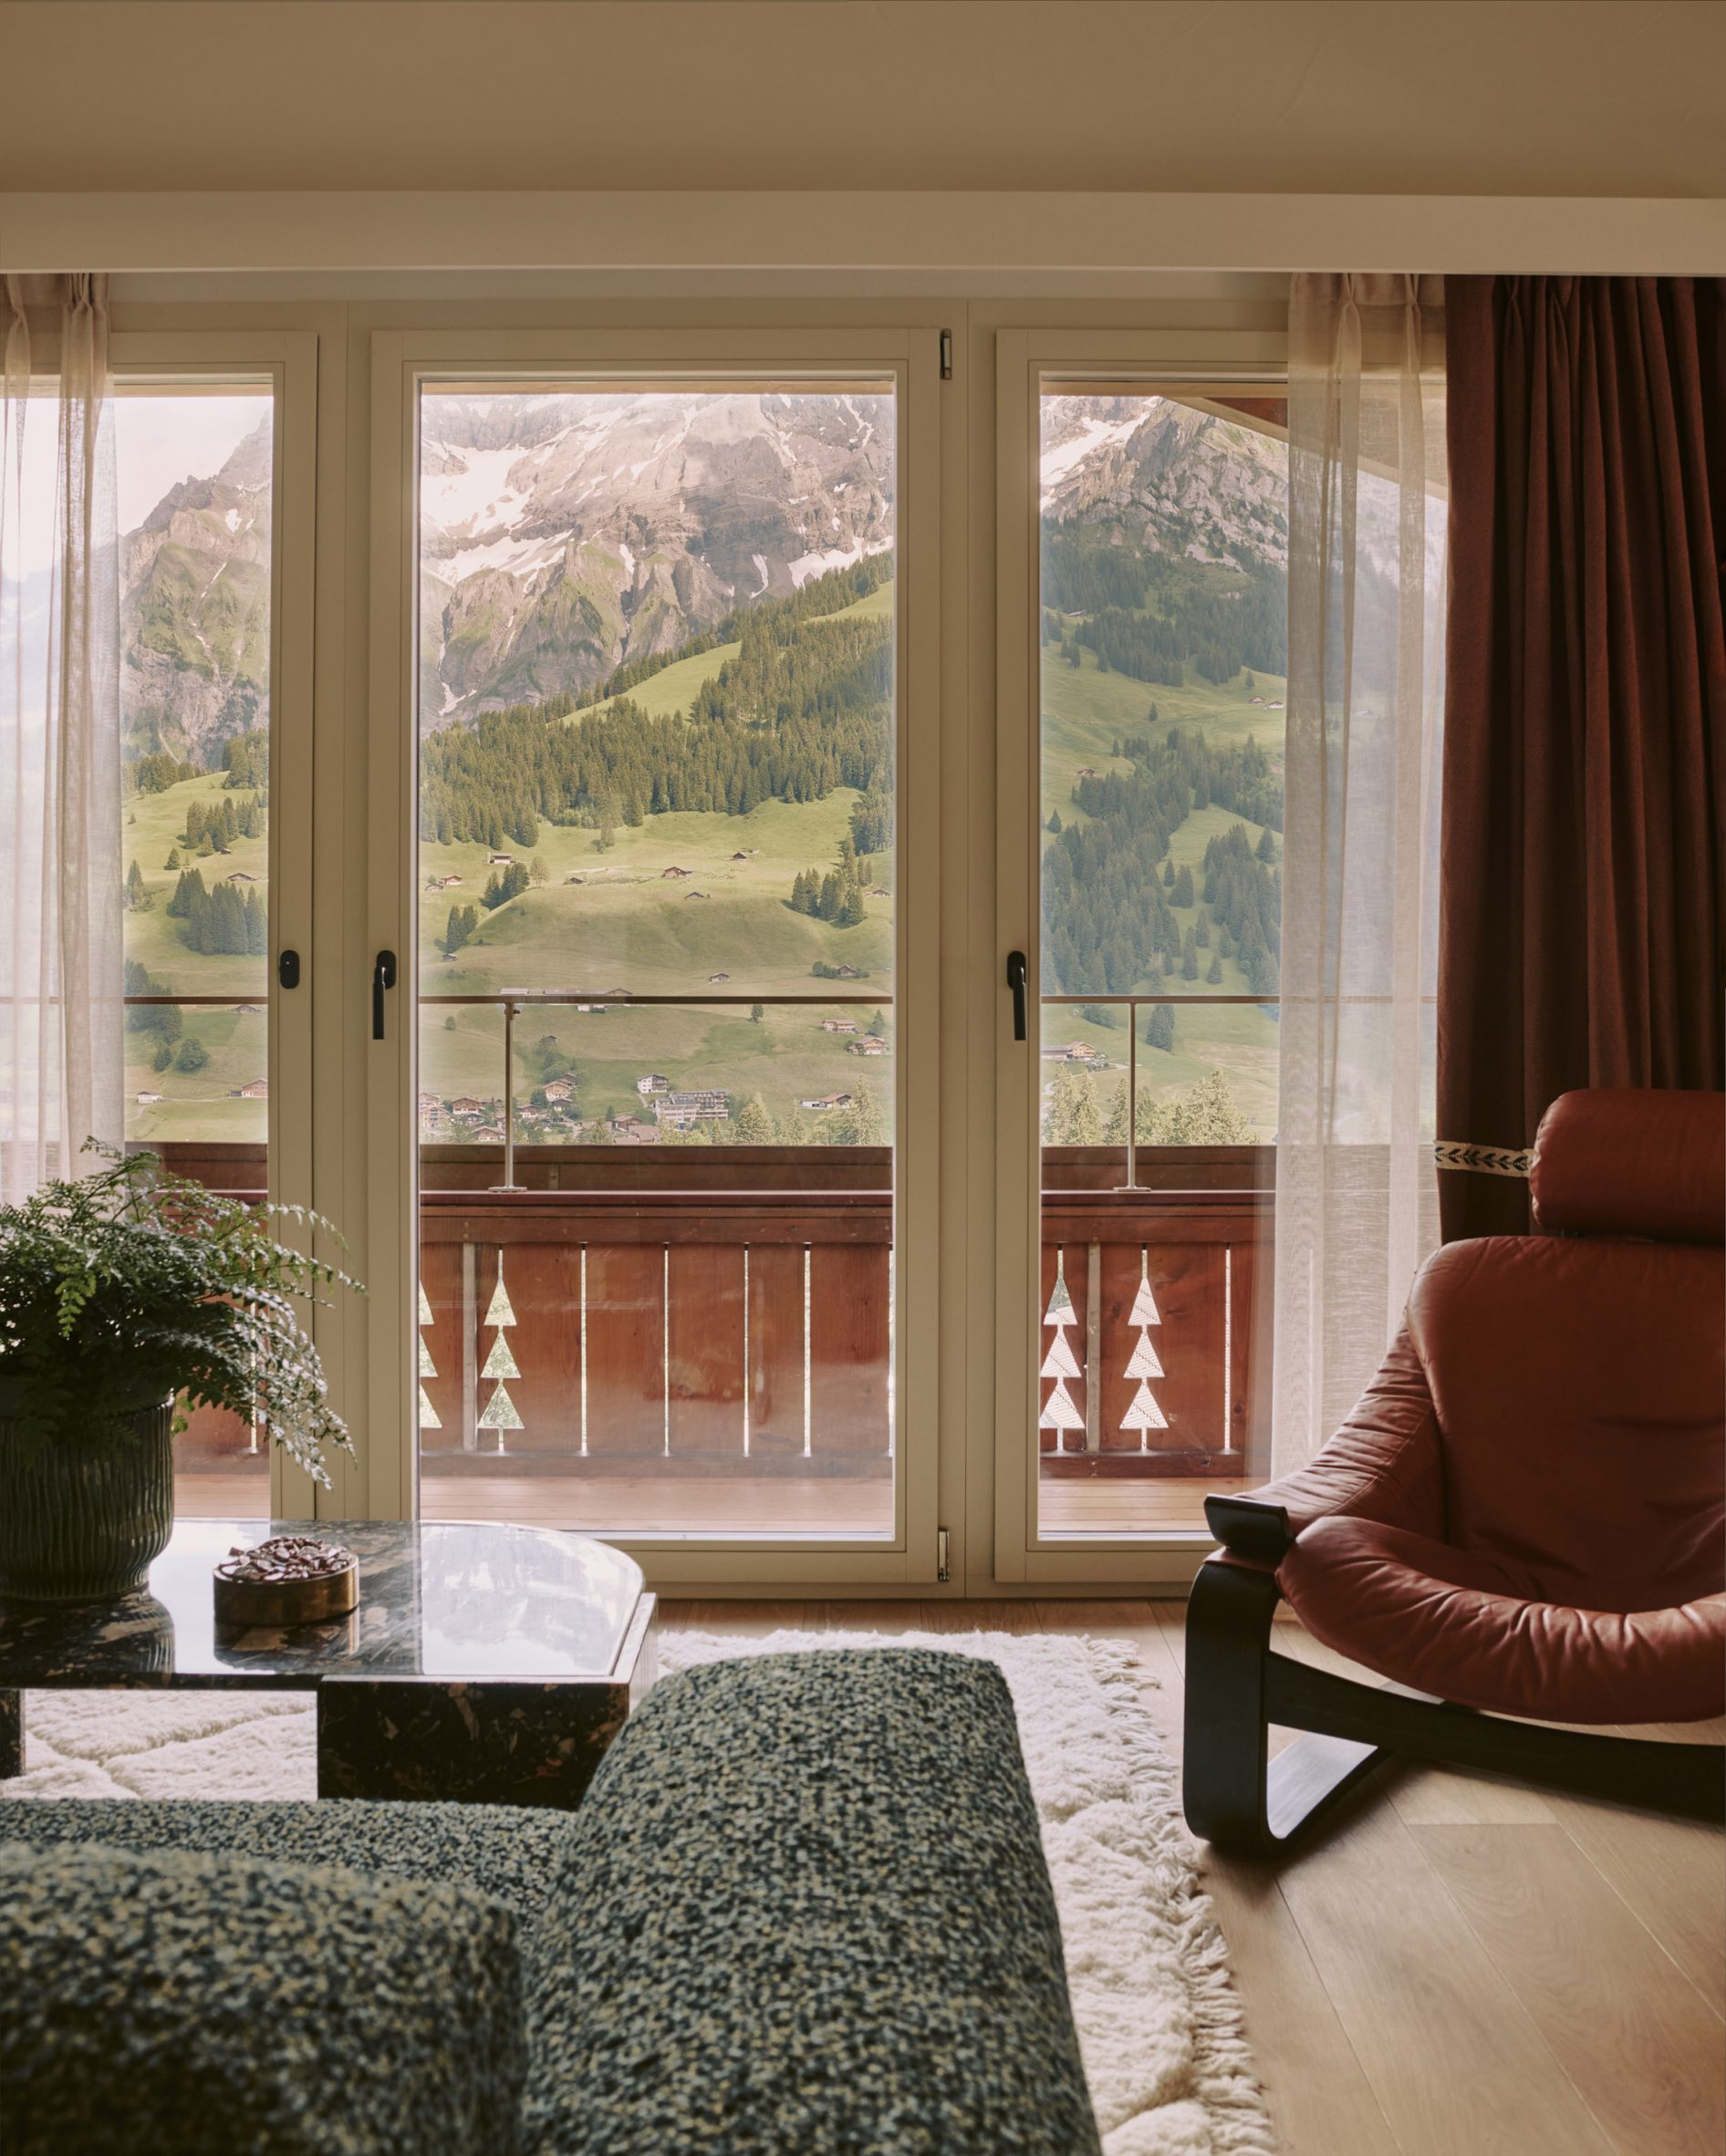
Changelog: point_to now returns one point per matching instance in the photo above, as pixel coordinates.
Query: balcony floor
(725, 1506)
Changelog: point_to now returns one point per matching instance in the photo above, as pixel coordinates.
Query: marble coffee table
(486, 1663)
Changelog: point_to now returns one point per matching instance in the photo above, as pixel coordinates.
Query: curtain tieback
(1485, 1160)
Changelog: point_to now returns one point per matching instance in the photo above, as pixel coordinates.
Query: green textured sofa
(802, 1912)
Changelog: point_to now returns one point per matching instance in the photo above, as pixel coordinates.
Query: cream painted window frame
(399, 360)
(1023, 357)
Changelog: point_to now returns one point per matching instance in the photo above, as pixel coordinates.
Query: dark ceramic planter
(82, 1522)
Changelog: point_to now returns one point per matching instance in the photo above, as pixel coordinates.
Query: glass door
(213, 447)
(1153, 615)
(663, 718)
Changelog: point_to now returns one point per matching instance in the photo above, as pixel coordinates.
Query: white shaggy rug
(1159, 2019)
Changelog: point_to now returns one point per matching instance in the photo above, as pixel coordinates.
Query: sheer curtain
(1357, 1200)
(61, 962)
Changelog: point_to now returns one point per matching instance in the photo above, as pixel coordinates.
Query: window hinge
(946, 355)
(942, 1573)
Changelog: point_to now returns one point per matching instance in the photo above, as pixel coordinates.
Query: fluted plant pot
(84, 1514)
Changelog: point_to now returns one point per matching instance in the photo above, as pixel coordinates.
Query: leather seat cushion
(1460, 1623)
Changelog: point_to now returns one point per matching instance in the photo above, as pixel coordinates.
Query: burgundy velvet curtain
(1584, 749)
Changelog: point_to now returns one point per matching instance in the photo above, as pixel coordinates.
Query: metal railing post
(509, 1182)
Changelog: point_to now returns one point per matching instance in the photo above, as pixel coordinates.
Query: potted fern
(121, 1292)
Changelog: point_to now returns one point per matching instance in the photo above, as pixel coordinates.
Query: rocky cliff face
(563, 535)
(195, 597)
(1191, 482)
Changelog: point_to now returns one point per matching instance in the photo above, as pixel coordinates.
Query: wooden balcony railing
(729, 1313)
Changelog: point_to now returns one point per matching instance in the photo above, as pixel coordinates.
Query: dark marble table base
(491, 1742)
(485, 1741)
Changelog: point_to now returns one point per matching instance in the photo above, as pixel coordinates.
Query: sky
(158, 441)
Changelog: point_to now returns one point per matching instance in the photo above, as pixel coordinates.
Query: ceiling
(1532, 97)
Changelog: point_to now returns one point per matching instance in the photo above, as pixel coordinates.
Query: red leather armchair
(1525, 1515)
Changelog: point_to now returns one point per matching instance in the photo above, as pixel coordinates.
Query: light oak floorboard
(1628, 2025)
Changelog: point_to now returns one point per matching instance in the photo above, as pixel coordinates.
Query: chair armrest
(1249, 1527)
(1383, 1463)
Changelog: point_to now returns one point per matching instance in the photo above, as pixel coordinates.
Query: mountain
(1185, 481)
(563, 536)
(195, 609)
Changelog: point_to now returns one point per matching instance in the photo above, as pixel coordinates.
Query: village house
(248, 1010)
(652, 1082)
(675, 874)
(500, 860)
(695, 893)
(429, 1104)
(628, 1130)
(826, 1100)
(257, 1089)
(145, 1099)
(846, 973)
(1088, 770)
(682, 1111)
(239, 875)
(838, 1025)
(880, 891)
(488, 1134)
(711, 978)
(739, 856)
(871, 1044)
(1074, 1052)
(558, 1089)
(467, 1109)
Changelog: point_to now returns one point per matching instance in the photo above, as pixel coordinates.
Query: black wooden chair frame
(1238, 1798)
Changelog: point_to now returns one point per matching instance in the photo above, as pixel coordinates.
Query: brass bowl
(243, 1605)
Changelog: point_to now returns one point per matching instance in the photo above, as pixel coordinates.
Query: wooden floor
(1461, 1967)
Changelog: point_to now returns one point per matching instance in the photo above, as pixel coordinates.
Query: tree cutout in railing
(500, 1409)
(500, 1414)
(500, 1362)
(1144, 1414)
(430, 1418)
(1058, 1413)
(1060, 1360)
(498, 1310)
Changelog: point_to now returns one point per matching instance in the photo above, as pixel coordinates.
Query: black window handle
(1016, 983)
(383, 976)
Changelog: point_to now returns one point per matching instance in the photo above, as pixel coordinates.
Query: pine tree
(1054, 821)
(1183, 892)
(135, 895)
(173, 858)
(755, 1125)
(1169, 872)
(190, 1055)
(1160, 1027)
(878, 1026)
(1266, 848)
(1215, 975)
(256, 924)
(1190, 958)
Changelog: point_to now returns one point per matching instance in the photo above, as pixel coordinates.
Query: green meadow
(1084, 712)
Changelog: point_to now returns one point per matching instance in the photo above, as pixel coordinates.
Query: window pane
(194, 469)
(1163, 641)
(657, 809)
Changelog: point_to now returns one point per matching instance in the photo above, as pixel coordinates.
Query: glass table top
(459, 1600)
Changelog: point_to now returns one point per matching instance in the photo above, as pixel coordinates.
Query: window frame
(287, 359)
(1113, 357)
(399, 359)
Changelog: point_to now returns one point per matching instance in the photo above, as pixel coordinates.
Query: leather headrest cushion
(1625, 1161)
